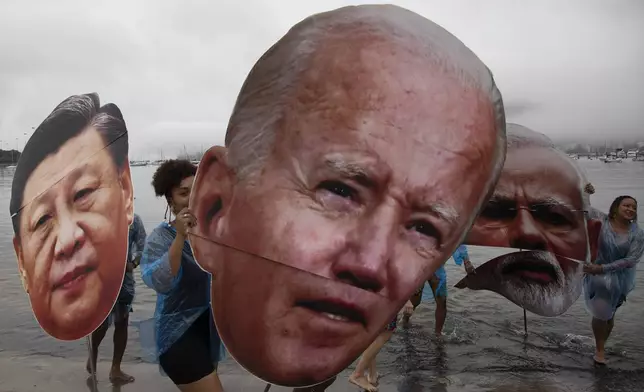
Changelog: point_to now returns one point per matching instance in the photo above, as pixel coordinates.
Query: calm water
(484, 348)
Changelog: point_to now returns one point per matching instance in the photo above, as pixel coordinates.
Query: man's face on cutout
(378, 167)
(537, 205)
(73, 238)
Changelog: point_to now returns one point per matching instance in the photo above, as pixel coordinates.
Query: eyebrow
(501, 199)
(71, 176)
(443, 211)
(352, 170)
(364, 176)
(548, 200)
(555, 201)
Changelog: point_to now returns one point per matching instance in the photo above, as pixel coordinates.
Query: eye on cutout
(340, 189)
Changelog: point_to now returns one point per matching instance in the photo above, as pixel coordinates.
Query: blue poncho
(459, 256)
(618, 255)
(181, 298)
(136, 243)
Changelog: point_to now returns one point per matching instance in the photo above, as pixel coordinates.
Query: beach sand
(53, 374)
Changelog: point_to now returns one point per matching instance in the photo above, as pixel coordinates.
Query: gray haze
(570, 69)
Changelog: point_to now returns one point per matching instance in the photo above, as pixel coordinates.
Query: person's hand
(408, 309)
(589, 188)
(136, 261)
(129, 267)
(469, 268)
(185, 220)
(593, 269)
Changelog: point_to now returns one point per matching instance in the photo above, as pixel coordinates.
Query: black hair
(169, 176)
(69, 119)
(614, 206)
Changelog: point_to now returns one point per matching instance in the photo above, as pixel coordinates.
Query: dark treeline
(8, 157)
(579, 148)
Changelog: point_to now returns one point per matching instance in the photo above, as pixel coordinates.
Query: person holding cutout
(187, 343)
(611, 276)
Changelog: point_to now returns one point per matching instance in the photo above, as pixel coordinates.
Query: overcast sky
(174, 67)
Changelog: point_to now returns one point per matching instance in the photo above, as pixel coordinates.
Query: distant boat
(195, 162)
(612, 160)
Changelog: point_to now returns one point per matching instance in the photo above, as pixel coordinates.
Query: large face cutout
(378, 167)
(537, 207)
(72, 204)
(539, 281)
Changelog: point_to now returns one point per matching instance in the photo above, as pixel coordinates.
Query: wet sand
(53, 374)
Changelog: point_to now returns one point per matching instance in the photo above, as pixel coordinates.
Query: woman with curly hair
(611, 277)
(187, 344)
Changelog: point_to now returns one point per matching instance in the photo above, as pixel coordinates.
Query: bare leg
(601, 330)
(440, 314)
(117, 376)
(358, 377)
(441, 305)
(372, 374)
(97, 338)
(210, 383)
(415, 300)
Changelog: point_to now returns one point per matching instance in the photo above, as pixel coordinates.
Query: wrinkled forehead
(392, 94)
(79, 152)
(539, 172)
(368, 68)
(420, 132)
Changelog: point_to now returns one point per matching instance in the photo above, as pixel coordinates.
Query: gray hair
(262, 100)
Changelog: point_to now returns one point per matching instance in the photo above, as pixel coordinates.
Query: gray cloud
(517, 108)
(567, 69)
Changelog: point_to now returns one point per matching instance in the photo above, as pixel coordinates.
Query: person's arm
(408, 308)
(161, 261)
(176, 252)
(461, 256)
(633, 256)
(139, 240)
(593, 213)
(185, 219)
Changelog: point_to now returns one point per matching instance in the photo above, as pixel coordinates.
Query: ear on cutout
(211, 193)
(128, 192)
(21, 268)
(594, 228)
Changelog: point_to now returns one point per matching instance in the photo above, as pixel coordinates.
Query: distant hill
(583, 148)
(9, 157)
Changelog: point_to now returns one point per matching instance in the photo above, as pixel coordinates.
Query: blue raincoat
(618, 255)
(136, 244)
(181, 298)
(459, 256)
